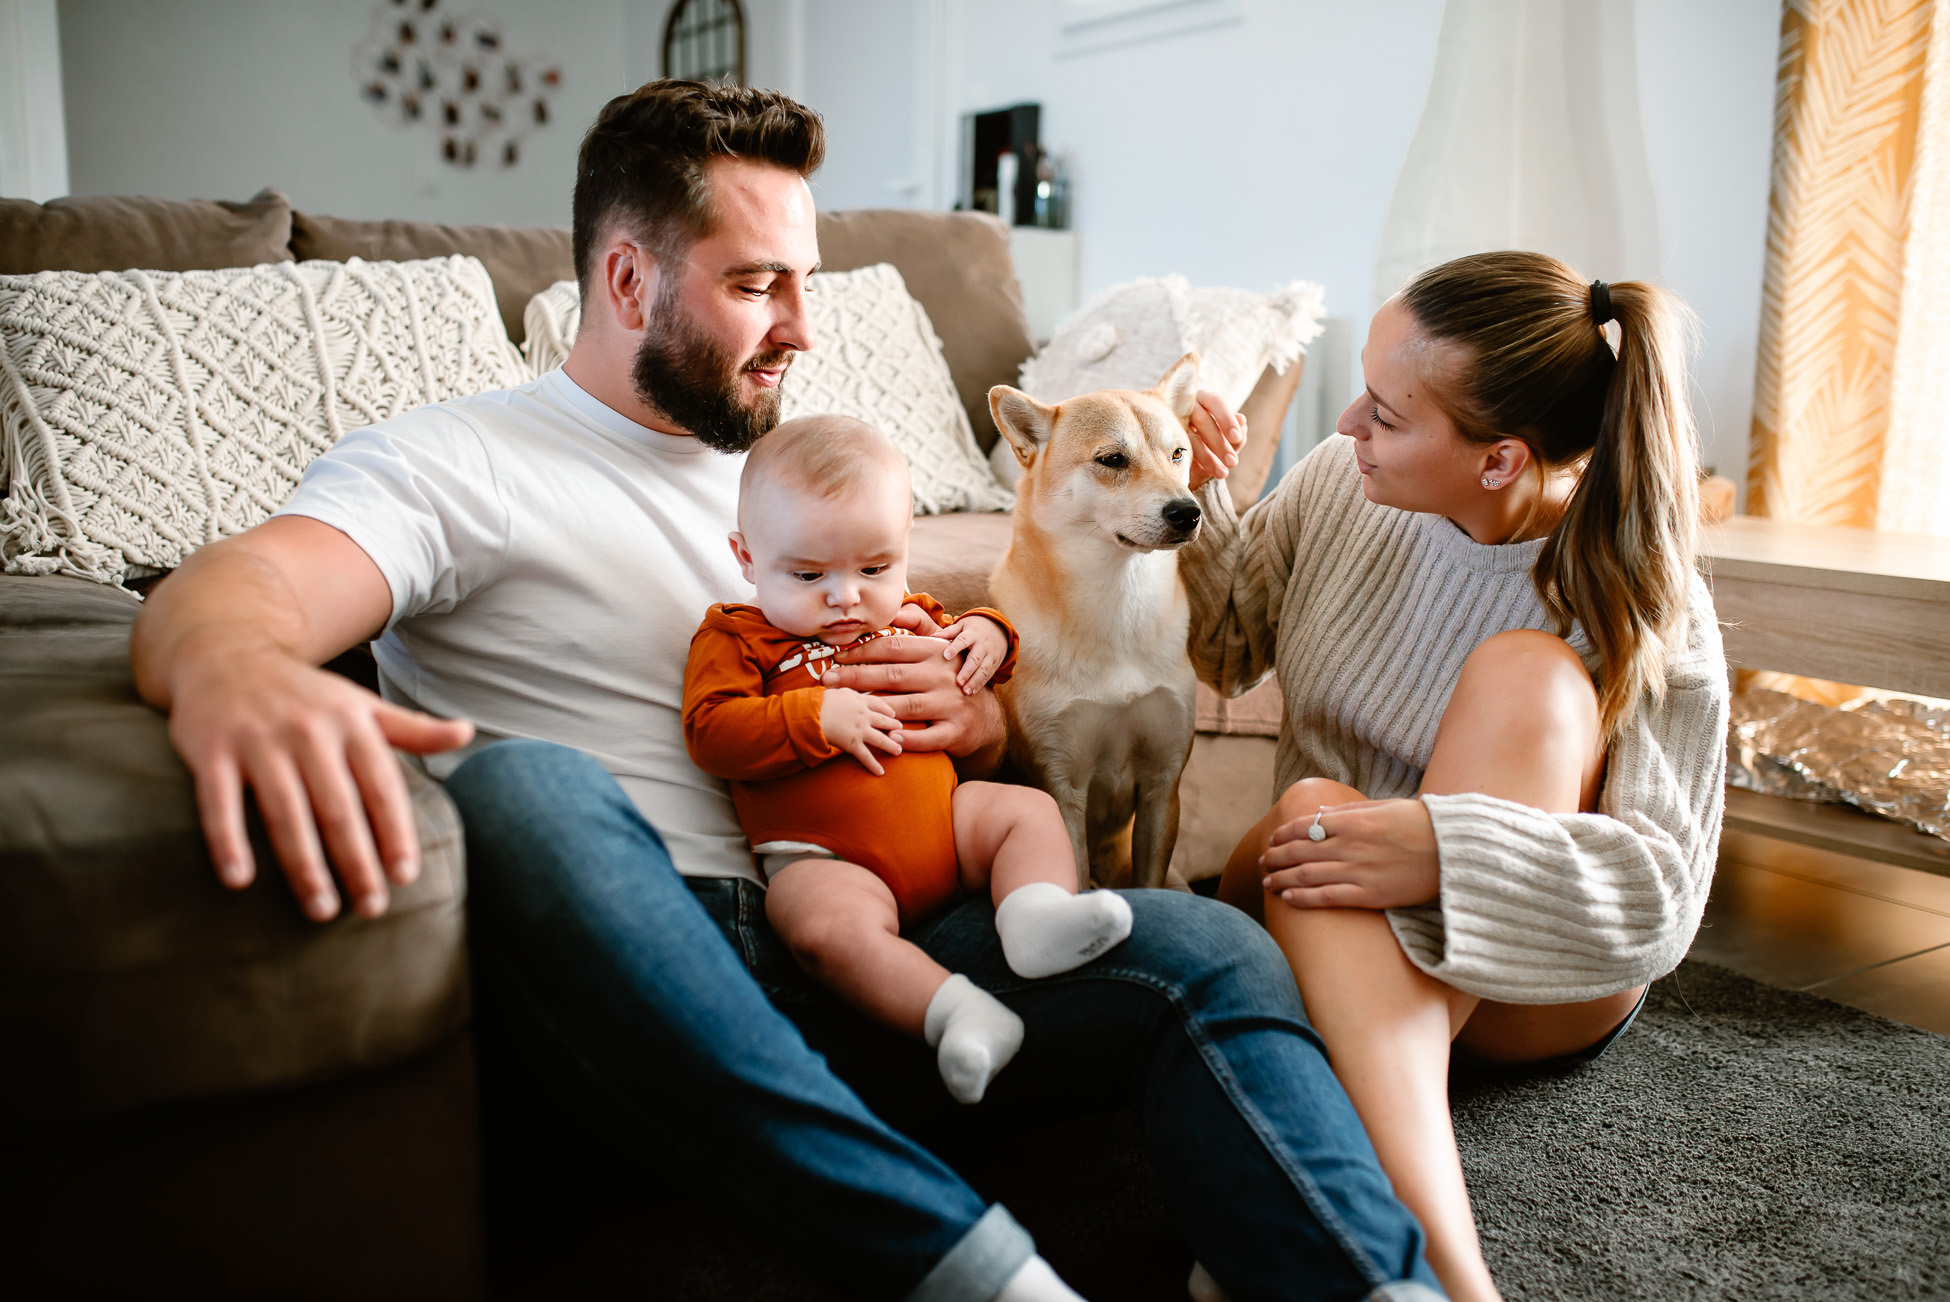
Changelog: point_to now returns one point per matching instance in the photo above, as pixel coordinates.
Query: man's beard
(695, 382)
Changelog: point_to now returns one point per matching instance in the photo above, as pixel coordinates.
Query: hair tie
(1600, 302)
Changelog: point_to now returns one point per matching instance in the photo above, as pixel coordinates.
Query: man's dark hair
(643, 162)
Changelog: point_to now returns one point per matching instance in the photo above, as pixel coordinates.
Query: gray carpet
(1739, 1142)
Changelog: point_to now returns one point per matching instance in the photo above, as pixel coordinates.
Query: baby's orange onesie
(751, 715)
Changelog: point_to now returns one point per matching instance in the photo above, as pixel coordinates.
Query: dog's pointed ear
(1179, 388)
(1023, 421)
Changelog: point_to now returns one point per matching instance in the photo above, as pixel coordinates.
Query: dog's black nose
(1182, 514)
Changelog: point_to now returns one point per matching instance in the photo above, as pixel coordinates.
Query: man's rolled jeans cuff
(977, 1267)
(1405, 1290)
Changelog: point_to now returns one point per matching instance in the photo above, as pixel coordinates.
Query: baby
(856, 836)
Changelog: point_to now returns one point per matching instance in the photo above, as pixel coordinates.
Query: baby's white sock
(1201, 1287)
(1045, 929)
(973, 1034)
(1036, 1282)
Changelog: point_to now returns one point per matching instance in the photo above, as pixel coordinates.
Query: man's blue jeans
(649, 983)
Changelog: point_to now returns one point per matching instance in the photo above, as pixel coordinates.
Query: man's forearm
(222, 599)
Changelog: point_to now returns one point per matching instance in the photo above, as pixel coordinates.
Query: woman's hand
(1377, 854)
(1218, 432)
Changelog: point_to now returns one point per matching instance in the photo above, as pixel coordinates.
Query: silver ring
(1316, 832)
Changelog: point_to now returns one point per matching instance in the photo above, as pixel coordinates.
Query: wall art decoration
(424, 64)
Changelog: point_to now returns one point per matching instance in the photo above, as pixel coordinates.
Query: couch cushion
(146, 413)
(521, 260)
(128, 975)
(950, 557)
(958, 265)
(878, 359)
(114, 234)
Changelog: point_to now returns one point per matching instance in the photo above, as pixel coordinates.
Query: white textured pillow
(550, 322)
(1129, 335)
(146, 413)
(875, 358)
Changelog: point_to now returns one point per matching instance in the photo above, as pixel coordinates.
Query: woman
(1505, 696)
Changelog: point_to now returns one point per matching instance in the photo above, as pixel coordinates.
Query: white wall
(1247, 153)
(217, 98)
(869, 64)
(1706, 88)
(1266, 148)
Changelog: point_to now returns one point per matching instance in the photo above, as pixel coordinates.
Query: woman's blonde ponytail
(1538, 368)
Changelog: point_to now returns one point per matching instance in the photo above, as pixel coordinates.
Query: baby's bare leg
(841, 924)
(1013, 839)
(1009, 836)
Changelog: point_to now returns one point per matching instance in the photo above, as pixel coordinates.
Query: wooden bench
(1855, 605)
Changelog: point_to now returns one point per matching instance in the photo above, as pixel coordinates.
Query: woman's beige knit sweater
(1367, 613)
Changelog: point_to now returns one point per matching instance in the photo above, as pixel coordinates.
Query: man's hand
(909, 675)
(317, 751)
(858, 724)
(1376, 854)
(1218, 432)
(227, 645)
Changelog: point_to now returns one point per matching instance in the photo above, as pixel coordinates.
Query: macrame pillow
(550, 325)
(144, 413)
(875, 358)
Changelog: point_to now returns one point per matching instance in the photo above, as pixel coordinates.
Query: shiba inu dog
(1101, 706)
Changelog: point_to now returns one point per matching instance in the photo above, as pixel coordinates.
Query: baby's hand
(986, 646)
(911, 618)
(859, 724)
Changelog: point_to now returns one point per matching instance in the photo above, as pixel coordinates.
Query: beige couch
(206, 1094)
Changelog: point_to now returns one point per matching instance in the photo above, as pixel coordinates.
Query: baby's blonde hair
(825, 455)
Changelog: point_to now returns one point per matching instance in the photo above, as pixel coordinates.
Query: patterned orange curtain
(1845, 133)
(1846, 113)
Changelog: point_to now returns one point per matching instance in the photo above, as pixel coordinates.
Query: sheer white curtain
(1915, 490)
(1530, 138)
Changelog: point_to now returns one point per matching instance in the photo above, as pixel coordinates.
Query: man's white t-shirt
(549, 560)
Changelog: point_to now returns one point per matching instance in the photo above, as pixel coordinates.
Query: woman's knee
(1552, 680)
(1239, 884)
(1301, 799)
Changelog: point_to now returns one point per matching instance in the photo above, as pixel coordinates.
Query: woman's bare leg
(1548, 756)
(1522, 724)
(1387, 1027)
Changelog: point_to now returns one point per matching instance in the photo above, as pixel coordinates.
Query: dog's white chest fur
(1118, 639)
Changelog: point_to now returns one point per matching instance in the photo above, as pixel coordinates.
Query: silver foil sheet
(1890, 757)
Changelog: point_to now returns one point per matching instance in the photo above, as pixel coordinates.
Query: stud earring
(1488, 482)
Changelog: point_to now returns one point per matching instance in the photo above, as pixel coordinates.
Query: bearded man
(532, 564)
